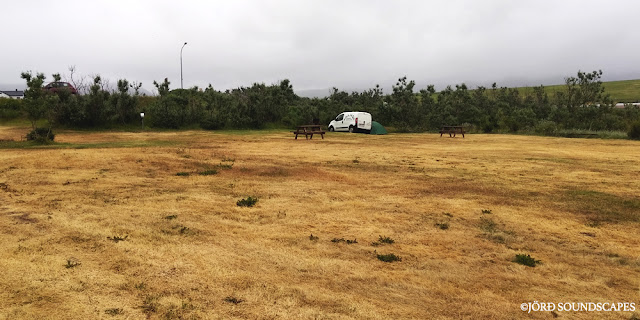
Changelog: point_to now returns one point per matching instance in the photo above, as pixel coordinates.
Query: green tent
(377, 128)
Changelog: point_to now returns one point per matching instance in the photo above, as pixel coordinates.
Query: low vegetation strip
(581, 104)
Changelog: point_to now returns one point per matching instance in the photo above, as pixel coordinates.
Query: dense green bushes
(582, 106)
(10, 109)
(634, 131)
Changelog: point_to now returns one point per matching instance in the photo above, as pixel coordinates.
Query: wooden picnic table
(309, 130)
(452, 130)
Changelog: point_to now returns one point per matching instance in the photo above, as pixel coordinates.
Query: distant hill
(620, 91)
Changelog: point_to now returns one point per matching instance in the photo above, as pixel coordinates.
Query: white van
(351, 121)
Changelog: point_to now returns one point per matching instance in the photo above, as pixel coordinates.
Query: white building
(622, 105)
(12, 94)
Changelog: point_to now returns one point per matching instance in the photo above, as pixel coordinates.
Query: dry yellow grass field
(189, 252)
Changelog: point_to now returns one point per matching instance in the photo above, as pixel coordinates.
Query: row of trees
(583, 105)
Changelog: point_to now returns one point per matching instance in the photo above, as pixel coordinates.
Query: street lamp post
(181, 87)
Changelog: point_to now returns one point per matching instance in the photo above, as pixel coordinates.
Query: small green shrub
(225, 166)
(526, 260)
(388, 257)
(114, 311)
(634, 131)
(248, 202)
(227, 159)
(184, 229)
(486, 211)
(117, 239)
(382, 240)
(233, 300)
(488, 225)
(443, 225)
(182, 174)
(208, 172)
(336, 240)
(41, 135)
(71, 263)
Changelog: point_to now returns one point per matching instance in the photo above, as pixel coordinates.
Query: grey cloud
(319, 44)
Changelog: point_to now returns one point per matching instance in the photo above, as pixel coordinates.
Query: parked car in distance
(54, 87)
(352, 122)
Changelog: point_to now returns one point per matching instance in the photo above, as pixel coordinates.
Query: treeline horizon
(584, 105)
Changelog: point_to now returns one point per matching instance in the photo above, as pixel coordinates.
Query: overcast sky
(322, 43)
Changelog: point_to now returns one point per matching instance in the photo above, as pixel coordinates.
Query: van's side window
(340, 117)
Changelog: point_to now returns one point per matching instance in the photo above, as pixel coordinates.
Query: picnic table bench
(309, 131)
(452, 130)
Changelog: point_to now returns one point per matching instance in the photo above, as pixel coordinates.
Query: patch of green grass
(183, 174)
(388, 257)
(602, 207)
(601, 134)
(171, 217)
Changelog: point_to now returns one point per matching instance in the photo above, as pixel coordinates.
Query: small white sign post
(142, 118)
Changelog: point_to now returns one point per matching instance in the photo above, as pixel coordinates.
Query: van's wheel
(331, 129)
(351, 129)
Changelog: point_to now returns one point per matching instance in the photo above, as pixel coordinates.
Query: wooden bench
(309, 131)
(452, 130)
